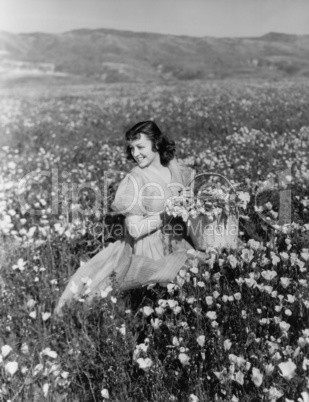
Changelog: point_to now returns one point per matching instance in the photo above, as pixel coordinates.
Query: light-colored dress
(154, 258)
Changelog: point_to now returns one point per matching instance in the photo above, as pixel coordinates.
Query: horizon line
(151, 33)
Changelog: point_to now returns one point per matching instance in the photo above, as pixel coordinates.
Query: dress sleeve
(126, 200)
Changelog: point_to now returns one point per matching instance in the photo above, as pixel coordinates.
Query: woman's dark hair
(160, 142)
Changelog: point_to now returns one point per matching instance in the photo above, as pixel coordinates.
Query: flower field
(233, 326)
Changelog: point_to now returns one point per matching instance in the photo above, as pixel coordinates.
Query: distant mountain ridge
(106, 55)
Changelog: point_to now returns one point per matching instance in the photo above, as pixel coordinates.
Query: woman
(154, 248)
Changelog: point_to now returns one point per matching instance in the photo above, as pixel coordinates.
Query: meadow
(232, 328)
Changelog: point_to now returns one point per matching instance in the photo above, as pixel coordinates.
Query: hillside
(105, 55)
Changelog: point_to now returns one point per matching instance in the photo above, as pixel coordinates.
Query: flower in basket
(212, 214)
(214, 203)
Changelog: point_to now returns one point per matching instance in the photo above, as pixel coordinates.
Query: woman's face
(141, 150)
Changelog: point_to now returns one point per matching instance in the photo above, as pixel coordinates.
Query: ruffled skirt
(130, 269)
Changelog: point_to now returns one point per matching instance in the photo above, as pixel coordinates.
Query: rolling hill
(105, 55)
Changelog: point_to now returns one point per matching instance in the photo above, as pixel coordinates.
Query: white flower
(250, 282)
(156, 323)
(290, 299)
(287, 369)
(144, 364)
(177, 310)
(159, 310)
(171, 287)
(305, 332)
(285, 282)
(172, 303)
(238, 360)
(237, 296)
(24, 349)
(50, 353)
(184, 358)
(305, 363)
(269, 275)
(6, 350)
(24, 370)
(222, 376)
(264, 261)
(21, 264)
(11, 367)
(31, 303)
(274, 258)
(276, 356)
(232, 260)
(162, 303)
(147, 311)
(193, 398)
(190, 300)
(269, 368)
(194, 270)
(247, 255)
(257, 377)
(45, 389)
(227, 344)
(255, 245)
(105, 393)
(104, 293)
(39, 367)
(201, 340)
(284, 326)
(301, 342)
(284, 256)
(305, 254)
(274, 394)
(239, 377)
(122, 329)
(32, 314)
(45, 316)
(305, 397)
(212, 315)
(209, 300)
(175, 341)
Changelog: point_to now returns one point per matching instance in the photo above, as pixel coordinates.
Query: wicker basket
(218, 234)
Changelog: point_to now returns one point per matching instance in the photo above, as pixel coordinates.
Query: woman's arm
(139, 226)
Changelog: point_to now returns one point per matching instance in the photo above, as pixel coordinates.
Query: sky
(218, 18)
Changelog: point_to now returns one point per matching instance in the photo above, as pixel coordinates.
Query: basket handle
(211, 174)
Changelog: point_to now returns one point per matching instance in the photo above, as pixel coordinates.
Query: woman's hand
(139, 226)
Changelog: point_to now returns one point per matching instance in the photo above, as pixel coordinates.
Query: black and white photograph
(154, 201)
